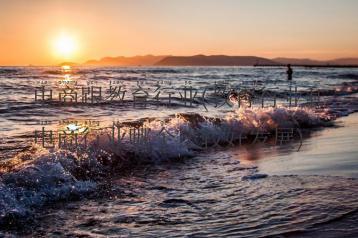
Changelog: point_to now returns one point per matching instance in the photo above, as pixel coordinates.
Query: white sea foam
(30, 185)
(33, 179)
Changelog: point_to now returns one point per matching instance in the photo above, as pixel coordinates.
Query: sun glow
(65, 46)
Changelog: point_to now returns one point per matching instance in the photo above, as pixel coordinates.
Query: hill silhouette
(345, 61)
(214, 60)
(295, 61)
(126, 61)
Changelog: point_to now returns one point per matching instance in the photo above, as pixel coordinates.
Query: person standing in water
(289, 72)
(289, 78)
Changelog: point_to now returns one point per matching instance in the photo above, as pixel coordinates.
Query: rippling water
(161, 192)
(209, 196)
(21, 115)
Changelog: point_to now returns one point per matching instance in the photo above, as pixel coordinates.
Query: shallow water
(332, 151)
(208, 197)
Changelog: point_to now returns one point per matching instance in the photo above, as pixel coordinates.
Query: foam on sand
(37, 177)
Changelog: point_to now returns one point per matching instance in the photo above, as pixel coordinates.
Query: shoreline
(119, 191)
(317, 156)
(251, 171)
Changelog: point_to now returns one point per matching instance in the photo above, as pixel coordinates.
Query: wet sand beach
(331, 151)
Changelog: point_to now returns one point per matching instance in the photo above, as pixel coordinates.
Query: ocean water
(21, 115)
(167, 163)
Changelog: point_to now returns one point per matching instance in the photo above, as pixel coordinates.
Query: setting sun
(154, 118)
(65, 46)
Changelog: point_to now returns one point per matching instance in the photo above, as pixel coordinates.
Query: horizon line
(169, 55)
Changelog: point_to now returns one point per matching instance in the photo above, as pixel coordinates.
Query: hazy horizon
(50, 32)
(164, 56)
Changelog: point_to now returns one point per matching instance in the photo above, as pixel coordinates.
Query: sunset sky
(43, 32)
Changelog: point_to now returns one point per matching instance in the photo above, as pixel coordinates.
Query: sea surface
(21, 114)
(178, 152)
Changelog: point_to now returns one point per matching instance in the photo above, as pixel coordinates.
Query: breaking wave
(39, 176)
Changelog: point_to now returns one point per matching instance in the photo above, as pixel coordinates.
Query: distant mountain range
(126, 61)
(213, 60)
(341, 61)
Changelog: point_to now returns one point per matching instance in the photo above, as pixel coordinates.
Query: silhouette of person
(289, 72)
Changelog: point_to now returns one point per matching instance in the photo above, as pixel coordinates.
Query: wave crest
(39, 176)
